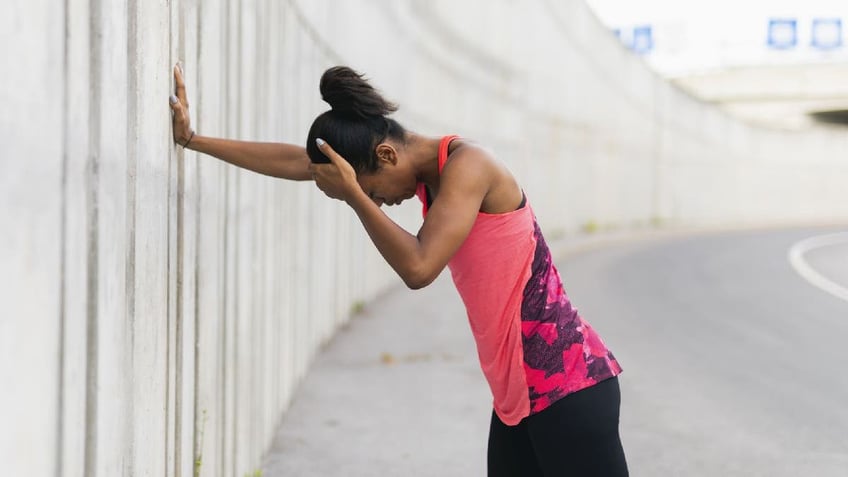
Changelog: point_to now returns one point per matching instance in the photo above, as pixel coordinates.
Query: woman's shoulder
(464, 153)
(471, 161)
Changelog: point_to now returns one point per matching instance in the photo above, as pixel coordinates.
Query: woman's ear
(386, 154)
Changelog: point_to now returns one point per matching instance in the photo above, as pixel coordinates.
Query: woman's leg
(578, 435)
(510, 451)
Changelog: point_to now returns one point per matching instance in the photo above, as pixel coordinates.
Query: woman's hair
(357, 122)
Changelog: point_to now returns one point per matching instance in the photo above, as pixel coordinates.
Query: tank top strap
(421, 190)
(443, 150)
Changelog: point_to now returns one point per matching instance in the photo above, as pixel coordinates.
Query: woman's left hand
(181, 122)
(336, 179)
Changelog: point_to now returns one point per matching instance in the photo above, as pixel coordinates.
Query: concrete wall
(160, 307)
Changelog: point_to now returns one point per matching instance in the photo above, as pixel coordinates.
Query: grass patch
(357, 307)
(198, 460)
(591, 227)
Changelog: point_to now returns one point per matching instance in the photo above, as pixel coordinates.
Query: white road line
(796, 259)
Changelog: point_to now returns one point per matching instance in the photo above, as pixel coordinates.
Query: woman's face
(392, 183)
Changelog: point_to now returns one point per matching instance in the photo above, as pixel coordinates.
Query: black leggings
(576, 436)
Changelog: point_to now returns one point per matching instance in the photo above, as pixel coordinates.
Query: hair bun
(349, 94)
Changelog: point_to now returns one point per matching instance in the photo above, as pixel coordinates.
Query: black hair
(357, 122)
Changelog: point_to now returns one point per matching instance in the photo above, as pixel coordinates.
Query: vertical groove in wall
(178, 379)
(225, 302)
(92, 259)
(224, 180)
(132, 170)
(236, 437)
(58, 469)
(297, 298)
(167, 281)
(197, 419)
(257, 318)
(170, 293)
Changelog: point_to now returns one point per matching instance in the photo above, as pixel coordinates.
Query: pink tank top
(534, 347)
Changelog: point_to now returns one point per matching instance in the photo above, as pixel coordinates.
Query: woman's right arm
(285, 161)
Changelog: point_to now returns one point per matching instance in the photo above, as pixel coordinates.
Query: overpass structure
(779, 64)
(160, 307)
(791, 97)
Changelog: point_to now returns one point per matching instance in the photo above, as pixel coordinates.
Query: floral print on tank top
(562, 353)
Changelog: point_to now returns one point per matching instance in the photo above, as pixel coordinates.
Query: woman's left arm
(417, 259)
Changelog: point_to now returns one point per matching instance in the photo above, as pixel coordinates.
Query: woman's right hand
(338, 179)
(181, 123)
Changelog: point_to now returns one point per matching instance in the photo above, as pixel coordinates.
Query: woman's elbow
(416, 284)
(419, 280)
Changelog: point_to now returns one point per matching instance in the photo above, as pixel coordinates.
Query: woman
(556, 395)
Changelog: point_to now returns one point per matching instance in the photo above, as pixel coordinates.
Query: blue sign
(640, 39)
(643, 39)
(827, 33)
(783, 33)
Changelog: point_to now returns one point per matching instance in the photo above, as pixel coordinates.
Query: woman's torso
(533, 345)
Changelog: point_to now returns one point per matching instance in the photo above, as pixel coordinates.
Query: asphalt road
(733, 366)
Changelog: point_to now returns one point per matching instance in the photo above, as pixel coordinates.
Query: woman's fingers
(179, 84)
(322, 177)
(322, 173)
(181, 126)
(328, 151)
(341, 165)
(337, 179)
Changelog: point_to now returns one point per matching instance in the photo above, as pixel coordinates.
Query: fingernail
(180, 65)
(320, 142)
(173, 99)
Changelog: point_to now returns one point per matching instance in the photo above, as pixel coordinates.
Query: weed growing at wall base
(198, 460)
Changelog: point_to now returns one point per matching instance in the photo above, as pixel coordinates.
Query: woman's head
(357, 122)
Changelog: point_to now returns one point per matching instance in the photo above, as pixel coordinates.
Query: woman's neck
(423, 151)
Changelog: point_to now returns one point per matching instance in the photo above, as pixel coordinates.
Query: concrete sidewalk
(398, 392)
